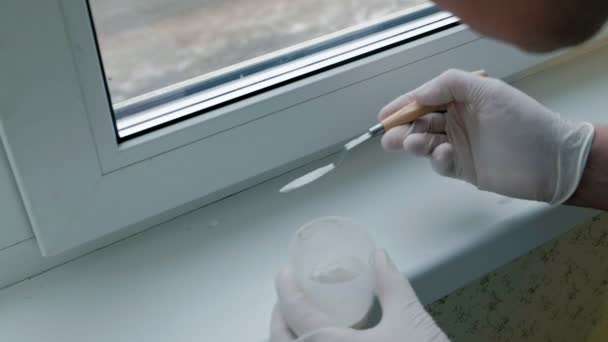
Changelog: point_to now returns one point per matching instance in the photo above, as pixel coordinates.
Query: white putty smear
(337, 271)
(308, 178)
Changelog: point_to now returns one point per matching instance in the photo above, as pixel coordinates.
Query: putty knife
(405, 115)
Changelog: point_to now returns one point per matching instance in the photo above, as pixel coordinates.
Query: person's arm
(592, 191)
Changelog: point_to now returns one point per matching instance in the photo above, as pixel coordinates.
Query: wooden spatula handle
(414, 110)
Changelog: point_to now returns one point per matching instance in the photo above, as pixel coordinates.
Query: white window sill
(208, 275)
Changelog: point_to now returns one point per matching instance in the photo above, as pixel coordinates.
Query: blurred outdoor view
(150, 44)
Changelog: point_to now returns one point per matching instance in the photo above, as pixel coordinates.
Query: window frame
(115, 155)
(79, 184)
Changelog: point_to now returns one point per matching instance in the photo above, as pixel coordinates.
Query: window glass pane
(152, 47)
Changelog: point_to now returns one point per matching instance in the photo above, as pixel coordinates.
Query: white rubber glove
(403, 317)
(494, 137)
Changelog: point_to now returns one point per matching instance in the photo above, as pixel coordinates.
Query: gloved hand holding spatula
(494, 137)
(406, 113)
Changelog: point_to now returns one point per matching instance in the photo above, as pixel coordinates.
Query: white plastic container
(330, 257)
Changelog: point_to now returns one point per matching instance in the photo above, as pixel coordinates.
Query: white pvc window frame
(79, 184)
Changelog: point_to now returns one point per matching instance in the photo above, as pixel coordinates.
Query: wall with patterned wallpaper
(557, 292)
